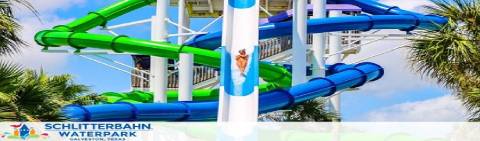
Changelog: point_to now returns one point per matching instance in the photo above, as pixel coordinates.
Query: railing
(200, 74)
(139, 82)
(274, 46)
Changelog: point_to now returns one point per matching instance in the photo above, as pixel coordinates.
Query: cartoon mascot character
(242, 61)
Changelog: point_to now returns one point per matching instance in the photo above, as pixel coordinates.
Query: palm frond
(39, 96)
(451, 56)
(9, 74)
(10, 41)
(313, 110)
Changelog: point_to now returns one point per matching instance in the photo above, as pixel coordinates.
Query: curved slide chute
(395, 18)
(277, 76)
(364, 22)
(207, 110)
(287, 15)
(277, 93)
(147, 97)
(368, 6)
(376, 8)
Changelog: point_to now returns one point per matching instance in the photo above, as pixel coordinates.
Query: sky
(401, 95)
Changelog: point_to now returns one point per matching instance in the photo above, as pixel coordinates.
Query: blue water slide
(364, 22)
(343, 76)
(375, 7)
(350, 76)
(383, 17)
(368, 6)
(287, 15)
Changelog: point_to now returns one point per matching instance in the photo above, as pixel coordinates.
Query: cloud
(32, 57)
(47, 7)
(441, 109)
(399, 76)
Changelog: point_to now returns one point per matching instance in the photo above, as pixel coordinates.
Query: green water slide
(75, 34)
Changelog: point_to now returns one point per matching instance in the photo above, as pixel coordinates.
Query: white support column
(185, 67)
(299, 37)
(158, 65)
(319, 40)
(223, 98)
(335, 45)
(239, 66)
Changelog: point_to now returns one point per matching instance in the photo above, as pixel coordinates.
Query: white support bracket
(113, 67)
(406, 44)
(128, 24)
(205, 28)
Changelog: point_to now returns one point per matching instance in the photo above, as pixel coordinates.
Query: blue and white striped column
(239, 68)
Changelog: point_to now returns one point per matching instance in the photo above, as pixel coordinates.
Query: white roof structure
(213, 8)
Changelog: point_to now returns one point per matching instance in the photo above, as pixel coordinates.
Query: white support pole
(113, 67)
(185, 67)
(239, 66)
(205, 28)
(335, 45)
(299, 37)
(158, 65)
(187, 34)
(224, 99)
(319, 40)
(128, 24)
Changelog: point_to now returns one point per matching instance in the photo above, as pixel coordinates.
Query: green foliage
(9, 27)
(33, 96)
(27, 95)
(9, 75)
(471, 98)
(475, 120)
(313, 110)
(451, 55)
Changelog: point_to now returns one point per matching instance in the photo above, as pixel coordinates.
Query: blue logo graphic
(23, 132)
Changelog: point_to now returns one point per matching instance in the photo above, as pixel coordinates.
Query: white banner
(263, 131)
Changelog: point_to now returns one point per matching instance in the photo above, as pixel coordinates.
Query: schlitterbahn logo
(23, 132)
(97, 131)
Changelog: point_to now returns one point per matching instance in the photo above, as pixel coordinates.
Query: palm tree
(9, 43)
(9, 27)
(451, 56)
(35, 96)
(27, 95)
(312, 110)
(8, 83)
